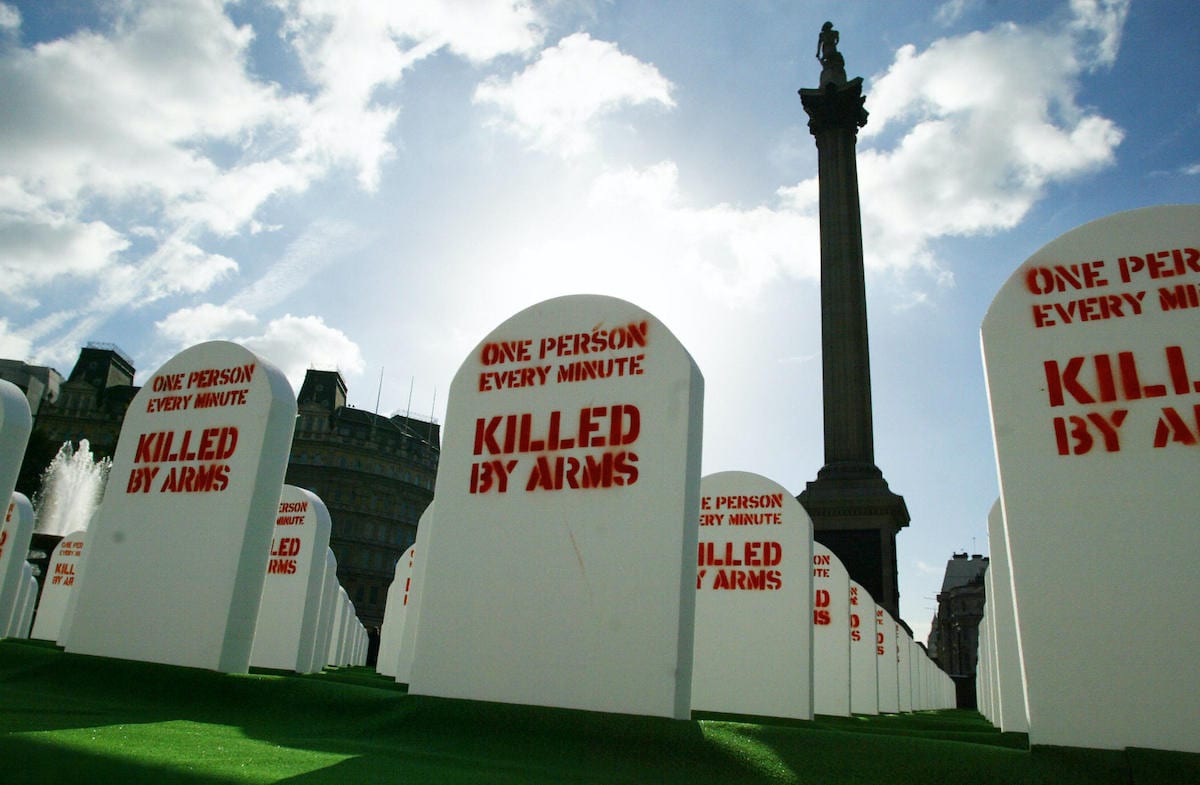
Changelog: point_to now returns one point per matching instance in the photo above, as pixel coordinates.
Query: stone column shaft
(845, 360)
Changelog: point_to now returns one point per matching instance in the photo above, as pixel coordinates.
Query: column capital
(835, 106)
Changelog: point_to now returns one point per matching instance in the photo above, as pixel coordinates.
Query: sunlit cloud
(986, 123)
(157, 128)
(556, 102)
(293, 343)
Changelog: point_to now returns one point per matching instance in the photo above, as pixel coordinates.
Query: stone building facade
(954, 636)
(374, 473)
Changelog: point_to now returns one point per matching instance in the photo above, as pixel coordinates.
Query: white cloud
(986, 122)
(40, 245)
(556, 102)
(951, 11)
(634, 235)
(206, 322)
(1097, 28)
(293, 343)
(14, 345)
(320, 245)
(156, 127)
(352, 50)
(10, 18)
(296, 343)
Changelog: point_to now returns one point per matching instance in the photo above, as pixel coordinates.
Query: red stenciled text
(1148, 268)
(498, 357)
(1100, 379)
(173, 385)
(729, 557)
(283, 556)
(291, 513)
(821, 603)
(202, 456)
(607, 428)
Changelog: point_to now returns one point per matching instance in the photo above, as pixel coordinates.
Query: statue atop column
(833, 65)
(854, 513)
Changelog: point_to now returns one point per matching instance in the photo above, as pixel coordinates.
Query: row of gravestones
(561, 566)
(752, 655)
(573, 557)
(199, 554)
(572, 449)
(1093, 370)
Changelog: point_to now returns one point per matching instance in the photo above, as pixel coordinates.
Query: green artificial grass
(68, 718)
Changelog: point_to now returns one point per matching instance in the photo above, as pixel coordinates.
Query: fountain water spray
(72, 487)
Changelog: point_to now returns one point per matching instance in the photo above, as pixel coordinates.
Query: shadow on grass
(36, 761)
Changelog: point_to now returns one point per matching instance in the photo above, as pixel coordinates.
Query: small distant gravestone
(395, 614)
(864, 670)
(412, 618)
(753, 582)
(904, 668)
(15, 425)
(572, 445)
(1093, 373)
(330, 598)
(15, 532)
(831, 633)
(291, 598)
(1014, 717)
(887, 659)
(17, 528)
(22, 618)
(59, 582)
(339, 641)
(178, 551)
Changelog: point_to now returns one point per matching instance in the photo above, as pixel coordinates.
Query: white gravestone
(291, 597)
(753, 582)
(831, 633)
(903, 668)
(342, 611)
(1093, 371)
(864, 671)
(915, 662)
(334, 655)
(178, 551)
(983, 671)
(1014, 717)
(15, 533)
(987, 661)
(886, 660)
(15, 425)
(412, 621)
(57, 586)
(309, 661)
(329, 601)
(395, 614)
(22, 618)
(571, 454)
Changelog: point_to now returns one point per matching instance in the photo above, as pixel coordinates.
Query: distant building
(954, 635)
(90, 405)
(38, 382)
(374, 473)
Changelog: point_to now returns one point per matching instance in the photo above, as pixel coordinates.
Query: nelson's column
(854, 513)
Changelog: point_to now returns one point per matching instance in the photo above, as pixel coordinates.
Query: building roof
(961, 570)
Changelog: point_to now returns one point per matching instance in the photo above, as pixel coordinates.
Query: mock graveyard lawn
(70, 718)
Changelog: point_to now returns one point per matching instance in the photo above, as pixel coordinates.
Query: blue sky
(374, 186)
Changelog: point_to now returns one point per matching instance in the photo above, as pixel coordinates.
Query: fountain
(72, 487)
